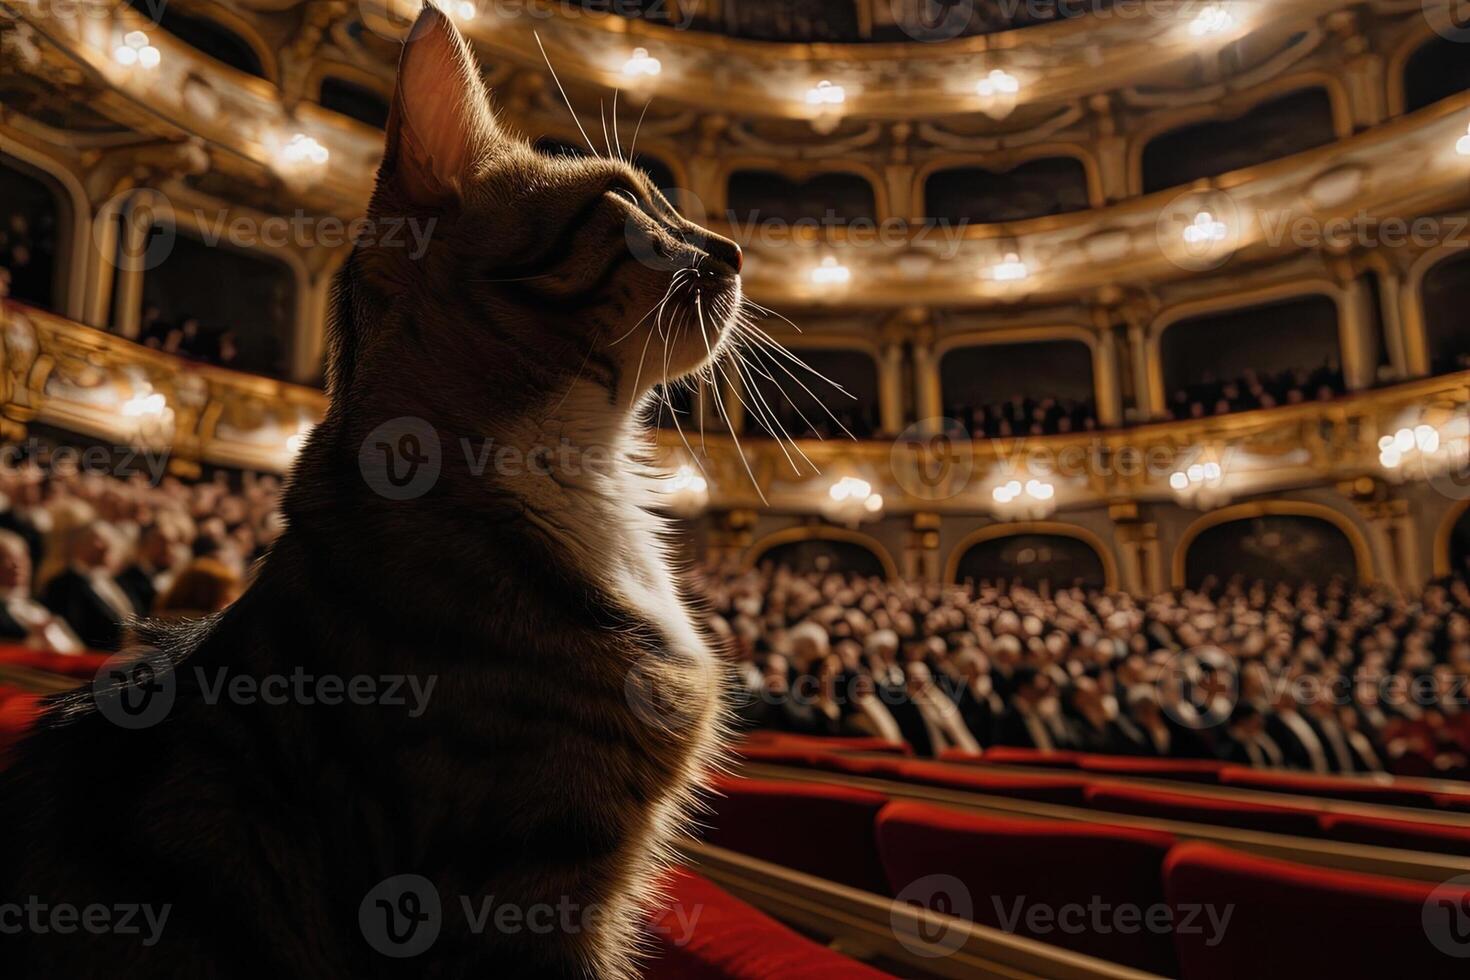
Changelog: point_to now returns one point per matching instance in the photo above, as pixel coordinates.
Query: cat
(471, 518)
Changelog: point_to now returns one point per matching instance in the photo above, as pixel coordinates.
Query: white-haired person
(22, 619)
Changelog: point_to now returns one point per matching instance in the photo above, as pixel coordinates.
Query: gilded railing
(61, 373)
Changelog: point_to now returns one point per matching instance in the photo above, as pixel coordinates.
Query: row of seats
(702, 933)
(1080, 789)
(1228, 913)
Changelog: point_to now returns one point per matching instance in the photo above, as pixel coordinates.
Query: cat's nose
(726, 251)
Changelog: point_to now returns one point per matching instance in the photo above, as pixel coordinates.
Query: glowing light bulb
(997, 84)
(1463, 146)
(641, 65)
(1205, 228)
(830, 273)
(1010, 269)
(145, 405)
(1214, 19)
(824, 93)
(135, 50)
(302, 150)
(463, 10)
(1179, 480)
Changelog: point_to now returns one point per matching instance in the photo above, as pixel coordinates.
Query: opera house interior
(1054, 563)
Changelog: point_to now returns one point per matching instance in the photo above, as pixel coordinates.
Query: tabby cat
(472, 515)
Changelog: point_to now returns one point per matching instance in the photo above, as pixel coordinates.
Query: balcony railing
(61, 373)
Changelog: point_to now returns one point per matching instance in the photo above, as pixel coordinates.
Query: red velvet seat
(1184, 770)
(1458, 802)
(825, 831)
(1410, 834)
(1009, 866)
(1002, 755)
(1064, 790)
(1118, 798)
(79, 665)
(703, 933)
(1290, 921)
(824, 743)
(1327, 787)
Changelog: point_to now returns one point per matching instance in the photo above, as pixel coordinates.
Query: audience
(1254, 390)
(1024, 416)
(1316, 678)
(112, 547)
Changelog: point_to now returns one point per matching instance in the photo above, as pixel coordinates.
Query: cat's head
(538, 269)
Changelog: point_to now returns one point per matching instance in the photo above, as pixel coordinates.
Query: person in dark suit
(1246, 742)
(979, 706)
(1022, 725)
(22, 618)
(153, 569)
(85, 594)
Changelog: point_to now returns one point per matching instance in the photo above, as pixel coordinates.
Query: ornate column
(921, 559)
(1361, 70)
(1140, 568)
(1107, 386)
(1355, 327)
(1391, 314)
(928, 399)
(892, 336)
(1112, 153)
(904, 199)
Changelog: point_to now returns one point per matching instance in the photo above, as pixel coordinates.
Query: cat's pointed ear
(440, 125)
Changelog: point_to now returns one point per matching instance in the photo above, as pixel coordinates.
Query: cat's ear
(440, 125)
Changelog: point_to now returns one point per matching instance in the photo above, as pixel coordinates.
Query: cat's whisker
(766, 347)
(616, 142)
(770, 312)
(777, 429)
(754, 409)
(602, 115)
(633, 146)
(773, 345)
(739, 450)
(560, 88)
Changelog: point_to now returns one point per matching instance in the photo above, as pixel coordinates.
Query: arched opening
(1260, 357)
(1271, 547)
(354, 101)
(1436, 71)
(818, 410)
(226, 307)
(1278, 128)
(1446, 295)
(31, 235)
(1002, 390)
(760, 195)
(202, 34)
(1034, 189)
(823, 554)
(1033, 559)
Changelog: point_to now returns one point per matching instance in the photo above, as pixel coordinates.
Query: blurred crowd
(1321, 679)
(1025, 416)
(82, 552)
(188, 337)
(1254, 390)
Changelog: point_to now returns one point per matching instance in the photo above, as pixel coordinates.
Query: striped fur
(576, 704)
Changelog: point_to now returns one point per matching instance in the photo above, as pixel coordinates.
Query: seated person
(85, 594)
(23, 619)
